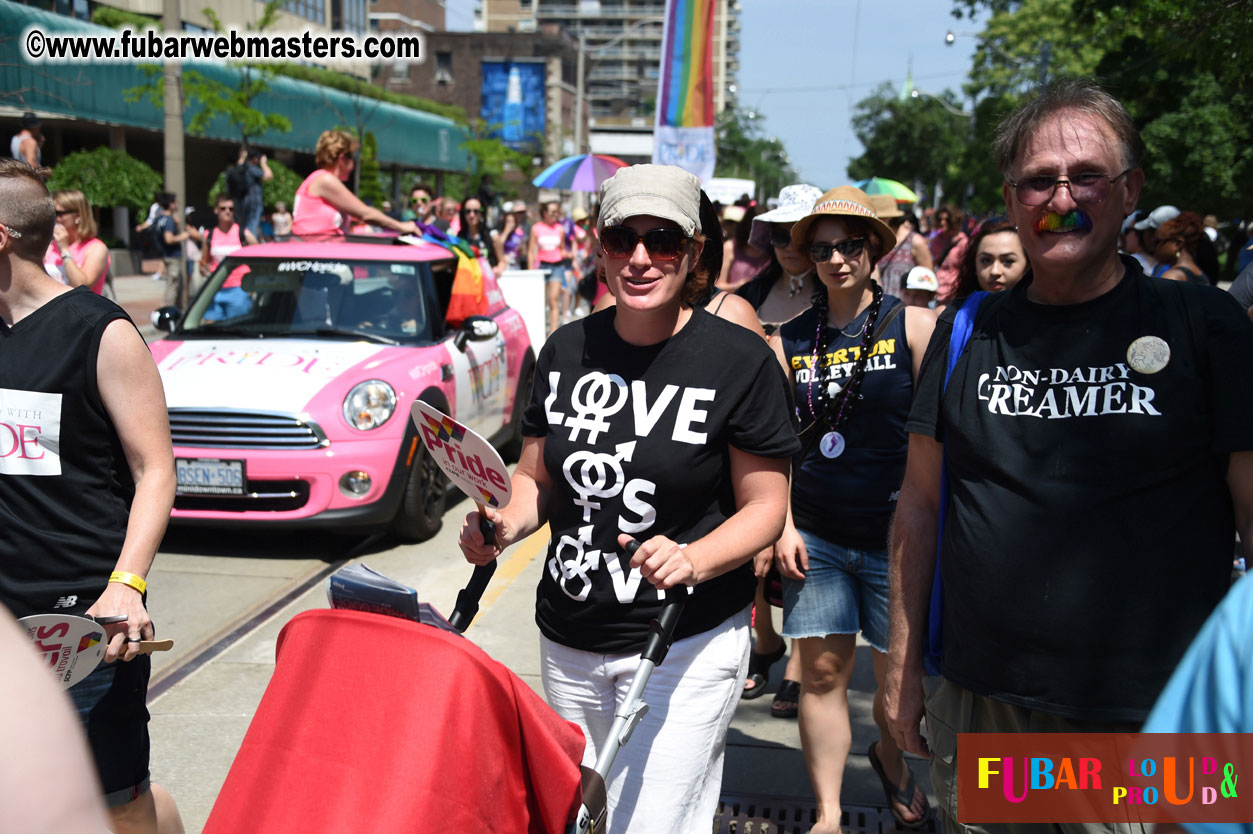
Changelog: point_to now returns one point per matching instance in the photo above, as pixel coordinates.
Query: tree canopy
(107, 178)
(1177, 65)
(917, 140)
(744, 151)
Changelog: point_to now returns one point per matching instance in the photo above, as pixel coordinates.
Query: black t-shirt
(1089, 529)
(845, 491)
(254, 176)
(65, 487)
(636, 441)
(165, 223)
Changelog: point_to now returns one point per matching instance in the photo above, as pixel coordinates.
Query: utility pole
(578, 92)
(175, 178)
(1046, 52)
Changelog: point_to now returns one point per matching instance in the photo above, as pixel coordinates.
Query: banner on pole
(684, 132)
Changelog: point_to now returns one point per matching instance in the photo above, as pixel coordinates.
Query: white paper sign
(30, 433)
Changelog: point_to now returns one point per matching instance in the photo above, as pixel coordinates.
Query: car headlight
(369, 404)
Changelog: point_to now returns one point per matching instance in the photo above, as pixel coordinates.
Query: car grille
(229, 429)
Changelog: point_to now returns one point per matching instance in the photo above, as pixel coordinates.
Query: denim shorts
(844, 591)
(111, 704)
(556, 272)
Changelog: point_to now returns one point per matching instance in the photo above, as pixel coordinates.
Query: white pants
(667, 778)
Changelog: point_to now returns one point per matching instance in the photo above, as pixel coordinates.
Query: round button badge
(1148, 354)
(832, 445)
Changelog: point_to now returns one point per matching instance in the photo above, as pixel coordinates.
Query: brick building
(453, 73)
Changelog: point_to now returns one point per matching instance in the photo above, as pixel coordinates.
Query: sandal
(759, 671)
(787, 700)
(903, 796)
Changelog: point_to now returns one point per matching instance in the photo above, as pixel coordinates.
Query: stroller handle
(661, 630)
(467, 606)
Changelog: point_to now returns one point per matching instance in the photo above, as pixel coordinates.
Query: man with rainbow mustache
(1093, 438)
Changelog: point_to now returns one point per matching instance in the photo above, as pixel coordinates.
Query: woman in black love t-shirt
(658, 422)
(853, 357)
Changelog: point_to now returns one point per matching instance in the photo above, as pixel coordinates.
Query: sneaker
(157, 276)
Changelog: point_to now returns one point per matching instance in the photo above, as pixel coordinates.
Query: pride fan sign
(684, 133)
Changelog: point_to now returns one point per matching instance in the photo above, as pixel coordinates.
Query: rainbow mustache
(1074, 220)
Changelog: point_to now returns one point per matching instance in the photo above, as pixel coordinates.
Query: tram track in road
(221, 639)
(249, 620)
(235, 631)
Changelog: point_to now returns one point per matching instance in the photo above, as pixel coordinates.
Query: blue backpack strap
(963, 325)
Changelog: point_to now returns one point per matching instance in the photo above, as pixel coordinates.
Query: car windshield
(383, 301)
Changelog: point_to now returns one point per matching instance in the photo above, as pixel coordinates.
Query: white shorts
(667, 778)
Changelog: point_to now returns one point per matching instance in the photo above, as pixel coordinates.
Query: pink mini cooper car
(290, 378)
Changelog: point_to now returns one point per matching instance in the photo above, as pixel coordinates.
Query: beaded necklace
(835, 410)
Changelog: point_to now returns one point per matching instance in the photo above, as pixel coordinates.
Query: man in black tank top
(86, 484)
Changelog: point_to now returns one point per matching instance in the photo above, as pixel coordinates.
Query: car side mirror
(166, 318)
(475, 329)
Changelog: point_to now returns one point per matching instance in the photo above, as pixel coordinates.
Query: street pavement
(223, 598)
(139, 295)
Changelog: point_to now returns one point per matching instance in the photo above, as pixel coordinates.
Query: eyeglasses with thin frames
(1089, 187)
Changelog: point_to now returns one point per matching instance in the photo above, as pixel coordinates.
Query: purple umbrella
(581, 172)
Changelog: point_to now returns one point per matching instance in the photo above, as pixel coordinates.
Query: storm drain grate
(787, 815)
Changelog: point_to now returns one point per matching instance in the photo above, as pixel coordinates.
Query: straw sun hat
(845, 201)
(885, 206)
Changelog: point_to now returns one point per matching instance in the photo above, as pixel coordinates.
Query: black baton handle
(468, 598)
(488, 529)
(661, 629)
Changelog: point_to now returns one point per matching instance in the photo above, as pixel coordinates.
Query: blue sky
(805, 63)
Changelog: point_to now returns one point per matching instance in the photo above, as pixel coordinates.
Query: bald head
(26, 208)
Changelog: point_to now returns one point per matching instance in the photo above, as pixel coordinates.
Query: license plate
(209, 476)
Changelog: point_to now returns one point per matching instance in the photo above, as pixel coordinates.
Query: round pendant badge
(1148, 354)
(832, 445)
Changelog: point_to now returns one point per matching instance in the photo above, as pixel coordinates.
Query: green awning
(93, 92)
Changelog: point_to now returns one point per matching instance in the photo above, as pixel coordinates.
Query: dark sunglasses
(474, 211)
(226, 208)
(662, 244)
(849, 248)
(780, 236)
(63, 212)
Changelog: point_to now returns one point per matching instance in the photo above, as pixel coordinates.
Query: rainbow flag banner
(684, 132)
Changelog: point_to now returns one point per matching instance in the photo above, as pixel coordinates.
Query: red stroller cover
(374, 723)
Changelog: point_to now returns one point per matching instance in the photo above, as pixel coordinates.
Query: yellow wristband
(134, 580)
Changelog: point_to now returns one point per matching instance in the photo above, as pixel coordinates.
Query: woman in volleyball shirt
(852, 357)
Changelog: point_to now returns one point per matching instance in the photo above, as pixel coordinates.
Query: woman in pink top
(549, 250)
(76, 257)
(741, 260)
(323, 201)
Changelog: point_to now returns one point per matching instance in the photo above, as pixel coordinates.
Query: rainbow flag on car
(684, 132)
